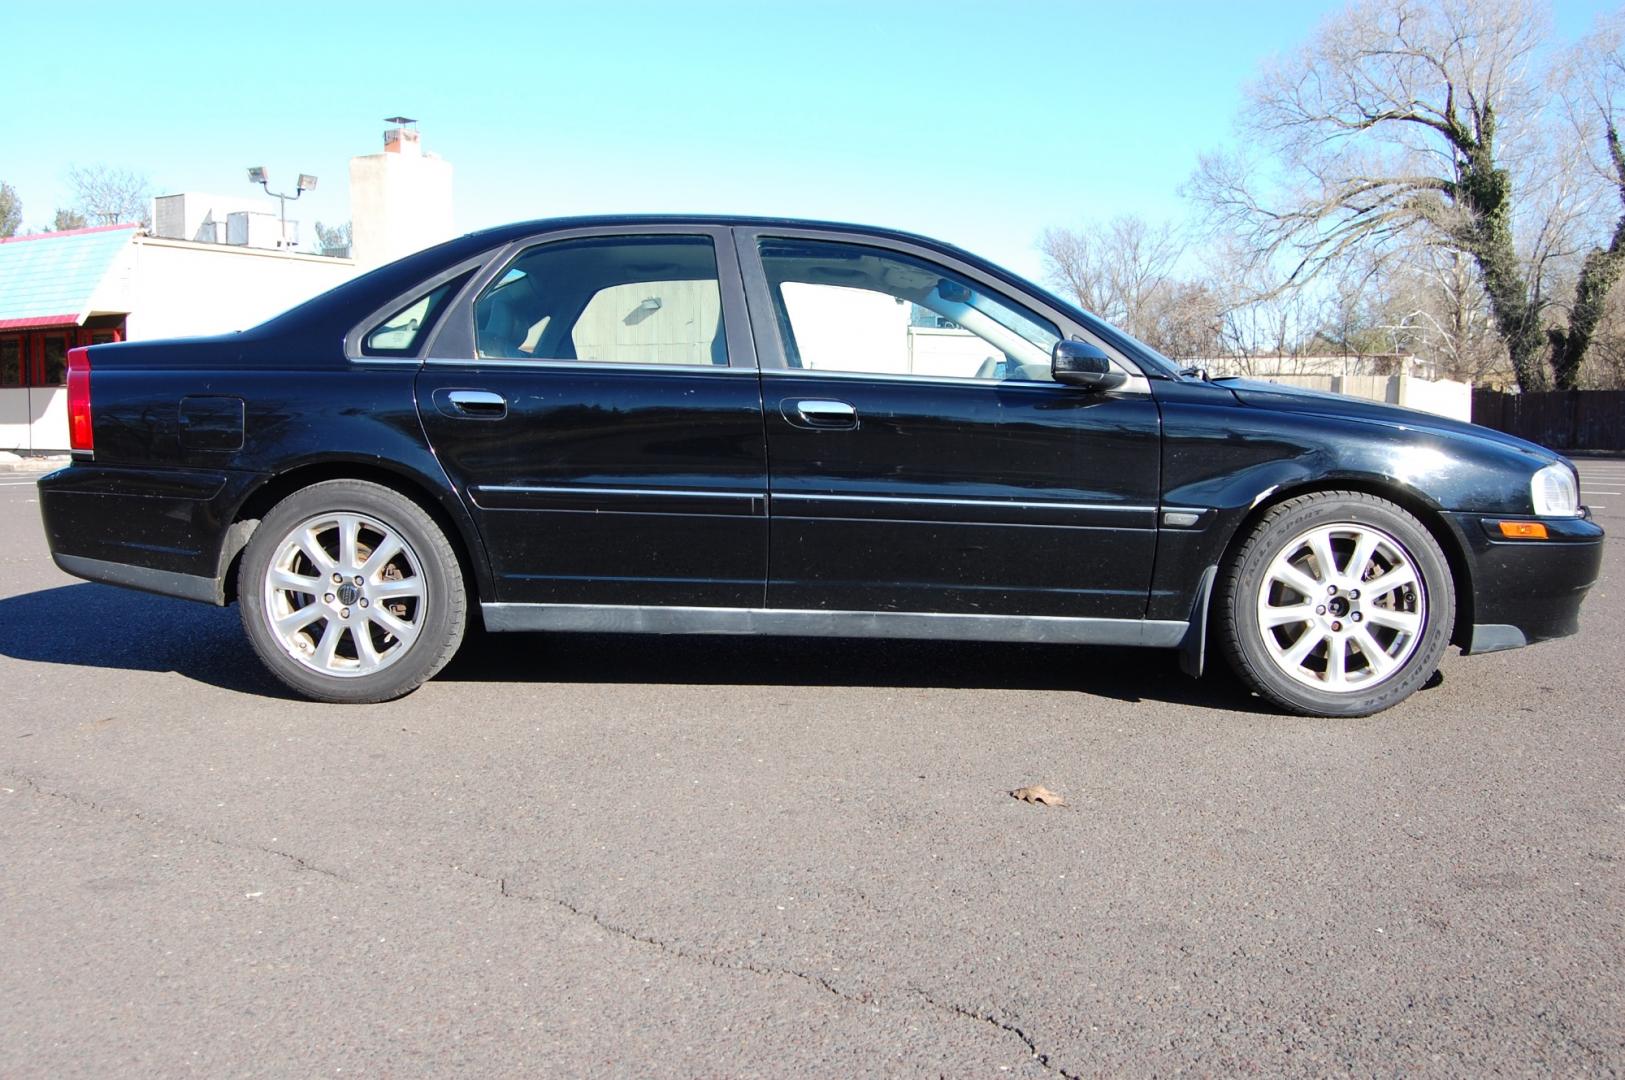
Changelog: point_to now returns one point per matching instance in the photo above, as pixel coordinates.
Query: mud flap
(1193, 650)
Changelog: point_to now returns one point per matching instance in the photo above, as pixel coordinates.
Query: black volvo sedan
(727, 425)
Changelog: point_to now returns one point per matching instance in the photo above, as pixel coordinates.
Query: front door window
(847, 307)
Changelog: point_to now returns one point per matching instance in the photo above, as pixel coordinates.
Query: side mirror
(1078, 363)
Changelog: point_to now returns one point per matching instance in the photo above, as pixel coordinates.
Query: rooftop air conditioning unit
(246, 228)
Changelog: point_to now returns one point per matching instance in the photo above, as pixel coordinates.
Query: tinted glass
(848, 307)
(400, 334)
(615, 300)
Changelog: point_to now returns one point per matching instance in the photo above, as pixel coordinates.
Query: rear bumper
(1526, 591)
(165, 531)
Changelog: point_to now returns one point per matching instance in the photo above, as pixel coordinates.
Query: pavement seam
(817, 981)
(136, 815)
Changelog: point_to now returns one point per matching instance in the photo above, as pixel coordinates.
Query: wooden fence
(1560, 419)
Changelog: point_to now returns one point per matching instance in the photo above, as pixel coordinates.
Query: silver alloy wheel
(344, 594)
(1342, 607)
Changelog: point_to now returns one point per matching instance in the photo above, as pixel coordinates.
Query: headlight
(1555, 492)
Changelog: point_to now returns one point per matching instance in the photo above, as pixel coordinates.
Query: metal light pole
(257, 175)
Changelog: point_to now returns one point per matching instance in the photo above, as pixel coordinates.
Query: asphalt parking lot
(716, 856)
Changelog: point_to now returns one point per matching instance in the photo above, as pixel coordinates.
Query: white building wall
(180, 289)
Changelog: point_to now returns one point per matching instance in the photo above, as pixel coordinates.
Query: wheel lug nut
(1331, 590)
(1354, 594)
(338, 579)
(359, 580)
(1357, 616)
(1320, 610)
(363, 601)
(344, 613)
(329, 598)
(1337, 626)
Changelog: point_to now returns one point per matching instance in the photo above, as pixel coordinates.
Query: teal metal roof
(49, 279)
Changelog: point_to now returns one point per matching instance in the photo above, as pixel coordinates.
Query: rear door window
(609, 300)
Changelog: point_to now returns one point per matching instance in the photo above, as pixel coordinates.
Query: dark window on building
(11, 361)
(54, 361)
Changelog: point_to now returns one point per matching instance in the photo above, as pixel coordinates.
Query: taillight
(81, 436)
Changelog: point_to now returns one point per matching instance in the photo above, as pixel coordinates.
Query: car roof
(517, 229)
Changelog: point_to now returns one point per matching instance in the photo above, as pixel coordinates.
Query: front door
(922, 460)
(604, 426)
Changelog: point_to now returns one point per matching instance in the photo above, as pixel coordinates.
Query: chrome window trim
(502, 364)
(1136, 384)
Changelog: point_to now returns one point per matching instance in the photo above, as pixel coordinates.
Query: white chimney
(400, 200)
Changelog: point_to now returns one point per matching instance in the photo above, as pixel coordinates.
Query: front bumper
(1524, 591)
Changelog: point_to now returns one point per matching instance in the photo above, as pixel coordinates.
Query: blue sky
(978, 123)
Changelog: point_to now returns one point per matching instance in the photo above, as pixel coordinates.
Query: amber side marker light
(1523, 530)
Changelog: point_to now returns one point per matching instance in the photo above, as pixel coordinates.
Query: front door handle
(471, 404)
(820, 413)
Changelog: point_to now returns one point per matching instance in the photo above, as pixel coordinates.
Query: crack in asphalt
(136, 815)
(987, 1018)
(817, 981)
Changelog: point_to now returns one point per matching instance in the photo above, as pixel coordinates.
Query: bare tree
(1114, 269)
(110, 196)
(1124, 272)
(1402, 123)
(333, 239)
(11, 211)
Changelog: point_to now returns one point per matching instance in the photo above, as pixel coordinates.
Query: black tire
(426, 563)
(1248, 576)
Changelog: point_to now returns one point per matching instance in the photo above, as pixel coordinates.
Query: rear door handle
(820, 413)
(471, 404)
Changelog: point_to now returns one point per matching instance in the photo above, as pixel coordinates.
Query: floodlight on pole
(307, 182)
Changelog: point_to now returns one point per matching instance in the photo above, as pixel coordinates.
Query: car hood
(1266, 395)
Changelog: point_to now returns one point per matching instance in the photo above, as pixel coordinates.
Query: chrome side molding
(653, 619)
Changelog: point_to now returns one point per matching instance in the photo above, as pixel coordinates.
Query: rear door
(922, 460)
(593, 397)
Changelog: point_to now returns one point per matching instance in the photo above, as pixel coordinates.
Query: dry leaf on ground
(1037, 794)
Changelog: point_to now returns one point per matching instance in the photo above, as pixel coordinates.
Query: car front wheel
(1338, 604)
(351, 593)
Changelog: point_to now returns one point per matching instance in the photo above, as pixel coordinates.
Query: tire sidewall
(1245, 639)
(444, 619)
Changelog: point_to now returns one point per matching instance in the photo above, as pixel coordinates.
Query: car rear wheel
(1338, 604)
(351, 593)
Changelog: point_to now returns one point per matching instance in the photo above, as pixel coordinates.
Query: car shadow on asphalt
(99, 626)
(1121, 674)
